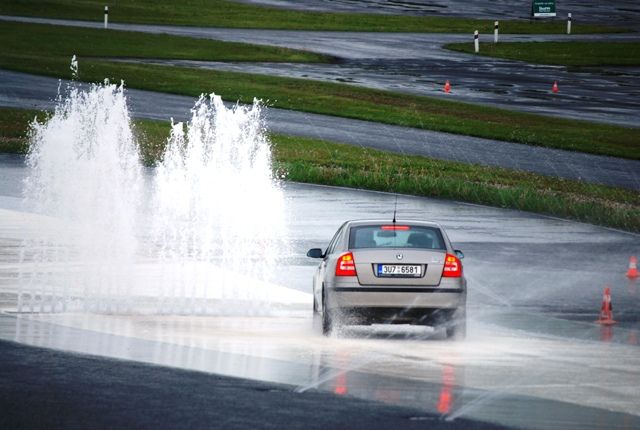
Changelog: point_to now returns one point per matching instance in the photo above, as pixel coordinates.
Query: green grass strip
(56, 41)
(223, 13)
(321, 162)
(560, 53)
(318, 162)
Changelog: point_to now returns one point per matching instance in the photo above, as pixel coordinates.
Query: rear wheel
(327, 319)
(327, 323)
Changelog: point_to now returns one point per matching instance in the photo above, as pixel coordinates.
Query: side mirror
(459, 254)
(315, 253)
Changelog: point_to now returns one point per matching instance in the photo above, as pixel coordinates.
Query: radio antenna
(395, 207)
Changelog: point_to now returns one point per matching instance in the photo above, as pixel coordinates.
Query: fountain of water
(218, 213)
(86, 176)
(204, 242)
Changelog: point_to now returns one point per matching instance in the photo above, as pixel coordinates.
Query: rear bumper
(450, 294)
(387, 315)
(430, 300)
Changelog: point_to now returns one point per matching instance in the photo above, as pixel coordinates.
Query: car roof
(361, 222)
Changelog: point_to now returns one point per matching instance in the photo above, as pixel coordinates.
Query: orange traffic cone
(633, 268)
(447, 87)
(606, 310)
(555, 88)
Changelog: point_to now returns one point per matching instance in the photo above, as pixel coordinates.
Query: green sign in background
(541, 8)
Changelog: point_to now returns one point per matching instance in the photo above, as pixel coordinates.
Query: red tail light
(394, 227)
(452, 267)
(346, 266)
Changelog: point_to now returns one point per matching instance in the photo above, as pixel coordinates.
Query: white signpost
(476, 41)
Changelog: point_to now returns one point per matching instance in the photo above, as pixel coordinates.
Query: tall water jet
(85, 175)
(201, 235)
(219, 213)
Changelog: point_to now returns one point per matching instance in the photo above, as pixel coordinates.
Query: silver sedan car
(402, 272)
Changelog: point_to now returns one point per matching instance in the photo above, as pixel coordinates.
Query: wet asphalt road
(417, 64)
(90, 392)
(535, 285)
(499, 377)
(625, 13)
(37, 92)
(610, 95)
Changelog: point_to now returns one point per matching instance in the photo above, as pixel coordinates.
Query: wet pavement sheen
(533, 357)
(619, 12)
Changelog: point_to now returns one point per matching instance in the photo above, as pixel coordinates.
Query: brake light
(452, 267)
(346, 266)
(394, 227)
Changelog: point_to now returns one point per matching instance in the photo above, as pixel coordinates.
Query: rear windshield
(395, 236)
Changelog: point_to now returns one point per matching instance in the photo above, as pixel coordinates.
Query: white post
(569, 23)
(495, 32)
(106, 16)
(476, 41)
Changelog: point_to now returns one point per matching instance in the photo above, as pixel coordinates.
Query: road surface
(625, 13)
(535, 286)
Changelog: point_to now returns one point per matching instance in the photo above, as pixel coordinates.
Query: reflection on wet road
(533, 358)
(497, 375)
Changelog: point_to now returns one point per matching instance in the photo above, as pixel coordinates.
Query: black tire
(315, 304)
(327, 323)
(327, 319)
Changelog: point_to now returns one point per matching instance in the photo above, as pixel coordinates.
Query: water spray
(205, 240)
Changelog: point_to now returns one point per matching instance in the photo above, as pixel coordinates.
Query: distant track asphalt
(417, 63)
(614, 12)
(37, 92)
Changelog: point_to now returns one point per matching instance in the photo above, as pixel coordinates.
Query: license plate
(400, 270)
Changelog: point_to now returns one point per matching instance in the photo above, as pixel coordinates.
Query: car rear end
(404, 272)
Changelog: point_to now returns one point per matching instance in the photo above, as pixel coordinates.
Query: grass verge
(318, 162)
(560, 53)
(224, 13)
(13, 129)
(55, 41)
(321, 162)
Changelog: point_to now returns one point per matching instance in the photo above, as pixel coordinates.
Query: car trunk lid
(399, 266)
